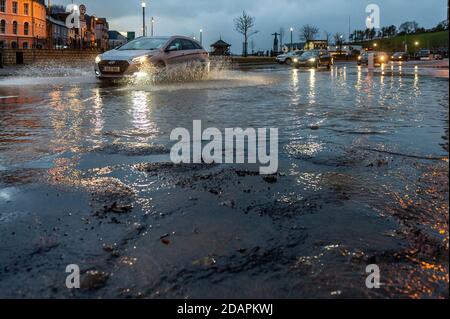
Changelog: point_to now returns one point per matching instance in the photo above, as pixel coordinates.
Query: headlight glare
(140, 59)
(98, 59)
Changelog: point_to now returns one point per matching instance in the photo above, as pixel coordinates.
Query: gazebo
(220, 48)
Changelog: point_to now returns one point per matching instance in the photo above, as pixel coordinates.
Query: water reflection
(97, 121)
(312, 87)
(294, 87)
(140, 112)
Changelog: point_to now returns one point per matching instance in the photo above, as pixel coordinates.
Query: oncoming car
(314, 59)
(160, 52)
(378, 58)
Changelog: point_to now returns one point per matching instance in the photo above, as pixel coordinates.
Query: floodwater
(86, 179)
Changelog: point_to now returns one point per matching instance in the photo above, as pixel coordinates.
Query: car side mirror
(172, 48)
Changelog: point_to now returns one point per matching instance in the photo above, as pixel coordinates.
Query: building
(294, 46)
(23, 23)
(73, 40)
(316, 45)
(220, 48)
(116, 39)
(101, 34)
(57, 34)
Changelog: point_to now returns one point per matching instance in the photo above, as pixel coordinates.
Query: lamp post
(201, 36)
(143, 17)
(417, 46)
(292, 39)
(153, 25)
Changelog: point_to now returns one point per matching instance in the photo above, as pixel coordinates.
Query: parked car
(127, 59)
(424, 55)
(379, 58)
(315, 59)
(400, 56)
(289, 57)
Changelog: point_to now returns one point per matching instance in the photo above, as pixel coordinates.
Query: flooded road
(86, 179)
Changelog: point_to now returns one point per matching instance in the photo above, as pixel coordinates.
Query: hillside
(424, 40)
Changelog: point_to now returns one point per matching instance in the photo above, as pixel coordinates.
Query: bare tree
(409, 27)
(309, 32)
(243, 25)
(327, 36)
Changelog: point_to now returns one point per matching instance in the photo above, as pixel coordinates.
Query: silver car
(127, 59)
(288, 58)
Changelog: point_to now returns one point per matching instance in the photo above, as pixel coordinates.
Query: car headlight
(359, 57)
(140, 59)
(295, 60)
(98, 59)
(381, 58)
(312, 60)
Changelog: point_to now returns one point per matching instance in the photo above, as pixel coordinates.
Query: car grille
(122, 64)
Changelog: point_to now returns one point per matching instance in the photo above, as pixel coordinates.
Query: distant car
(400, 56)
(289, 57)
(126, 60)
(314, 59)
(425, 55)
(379, 58)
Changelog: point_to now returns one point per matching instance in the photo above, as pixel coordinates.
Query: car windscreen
(309, 55)
(144, 44)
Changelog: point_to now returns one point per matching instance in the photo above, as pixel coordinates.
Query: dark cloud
(215, 17)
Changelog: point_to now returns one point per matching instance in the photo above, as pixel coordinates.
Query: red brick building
(22, 23)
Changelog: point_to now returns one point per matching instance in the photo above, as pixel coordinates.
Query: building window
(2, 44)
(26, 28)
(14, 45)
(15, 7)
(25, 45)
(2, 5)
(26, 8)
(15, 28)
(2, 27)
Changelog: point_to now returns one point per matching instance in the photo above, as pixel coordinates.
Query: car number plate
(111, 69)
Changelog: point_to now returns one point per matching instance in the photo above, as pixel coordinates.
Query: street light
(375, 45)
(143, 17)
(416, 43)
(292, 44)
(201, 36)
(153, 25)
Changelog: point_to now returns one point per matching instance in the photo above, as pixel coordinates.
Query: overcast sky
(215, 17)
